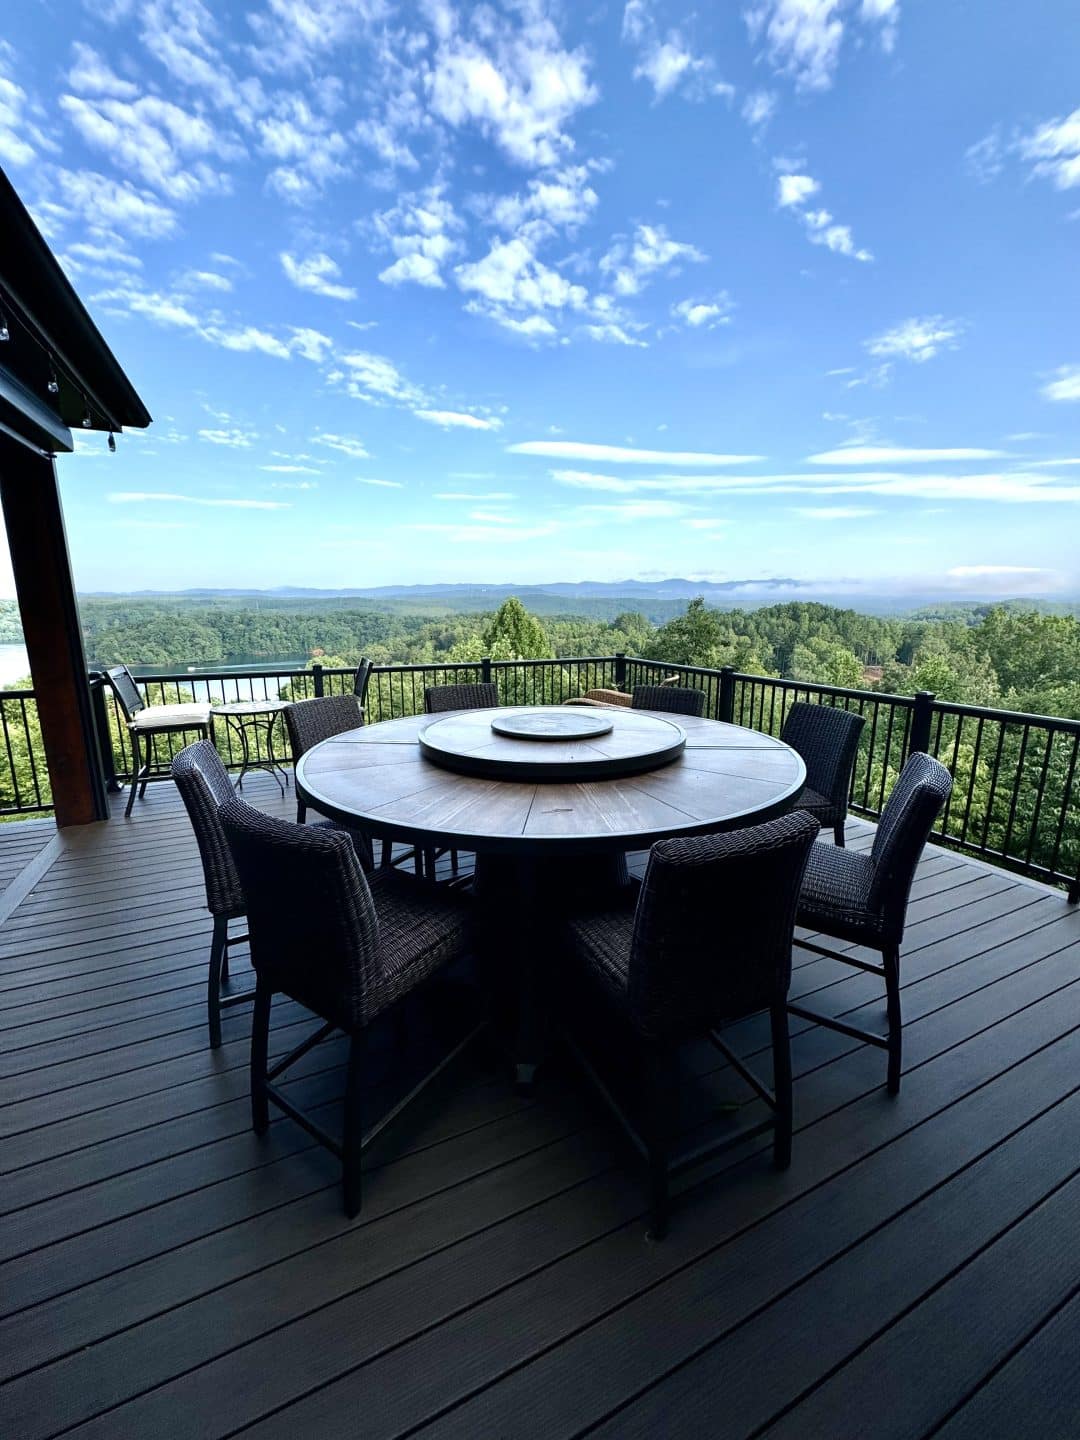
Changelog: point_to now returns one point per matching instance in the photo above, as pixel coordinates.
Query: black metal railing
(24, 778)
(1016, 795)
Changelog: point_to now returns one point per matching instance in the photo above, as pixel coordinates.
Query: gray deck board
(164, 1271)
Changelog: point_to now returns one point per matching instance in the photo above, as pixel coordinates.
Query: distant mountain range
(659, 599)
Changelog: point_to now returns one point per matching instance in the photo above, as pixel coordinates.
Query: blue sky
(534, 291)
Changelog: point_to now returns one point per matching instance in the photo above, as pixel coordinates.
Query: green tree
(514, 634)
(828, 662)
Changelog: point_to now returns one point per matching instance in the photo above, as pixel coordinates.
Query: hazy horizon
(434, 293)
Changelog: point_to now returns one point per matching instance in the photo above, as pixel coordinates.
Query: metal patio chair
(144, 722)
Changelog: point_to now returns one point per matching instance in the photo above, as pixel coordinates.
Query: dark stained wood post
(50, 620)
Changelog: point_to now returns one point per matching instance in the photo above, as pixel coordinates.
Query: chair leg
(657, 1078)
(781, 1051)
(301, 812)
(135, 763)
(354, 1131)
(213, 984)
(150, 754)
(387, 854)
(891, 957)
(838, 833)
(260, 1046)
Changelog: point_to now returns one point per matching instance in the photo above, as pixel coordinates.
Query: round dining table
(532, 804)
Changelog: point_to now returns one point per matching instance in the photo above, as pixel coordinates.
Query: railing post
(921, 715)
(317, 674)
(620, 669)
(100, 715)
(485, 670)
(725, 701)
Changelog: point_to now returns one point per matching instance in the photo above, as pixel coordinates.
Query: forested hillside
(1011, 656)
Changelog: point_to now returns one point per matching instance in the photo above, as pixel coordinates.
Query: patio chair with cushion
(143, 722)
(827, 738)
(204, 786)
(709, 941)
(674, 699)
(849, 895)
(349, 958)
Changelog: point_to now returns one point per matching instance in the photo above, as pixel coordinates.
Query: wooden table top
(725, 778)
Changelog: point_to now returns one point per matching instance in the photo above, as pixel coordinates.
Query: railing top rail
(1008, 717)
(18, 694)
(817, 686)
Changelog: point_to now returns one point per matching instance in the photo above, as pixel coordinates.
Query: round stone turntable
(551, 742)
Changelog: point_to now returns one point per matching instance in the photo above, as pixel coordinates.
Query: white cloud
(183, 36)
(117, 204)
(626, 511)
(451, 419)
(758, 108)
(346, 444)
(197, 279)
(376, 379)
(630, 264)
(92, 75)
(897, 455)
(234, 437)
(311, 344)
(510, 278)
(562, 198)
(21, 138)
(705, 314)
(611, 333)
(512, 79)
(155, 140)
(1066, 386)
(310, 150)
(667, 62)
(318, 274)
(985, 160)
(792, 192)
(795, 189)
(294, 34)
(383, 484)
(1055, 148)
(142, 497)
(622, 454)
(917, 339)
(803, 38)
(244, 339)
(421, 230)
(290, 469)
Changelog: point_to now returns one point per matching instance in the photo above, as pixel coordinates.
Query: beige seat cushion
(161, 717)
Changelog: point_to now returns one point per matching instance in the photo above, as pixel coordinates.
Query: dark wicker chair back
(313, 928)
(915, 803)
(676, 699)
(310, 721)
(205, 787)
(714, 925)
(827, 738)
(126, 691)
(481, 696)
(361, 678)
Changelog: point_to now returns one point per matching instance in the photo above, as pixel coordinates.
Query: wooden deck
(164, 1273)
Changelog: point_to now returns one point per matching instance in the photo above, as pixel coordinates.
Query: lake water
(14, 665)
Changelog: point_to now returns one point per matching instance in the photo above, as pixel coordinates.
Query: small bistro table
(721, 778)
(253, 723)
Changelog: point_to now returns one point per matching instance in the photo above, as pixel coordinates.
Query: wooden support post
(50, 620)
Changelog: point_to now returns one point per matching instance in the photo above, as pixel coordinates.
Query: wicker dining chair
(204, 786)
(483, 695)
(708, 942)
(849, 895)
(827, 738)
(361, 680)
(350, 957)
(308, 723)
(674, 699)
(144, 722)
